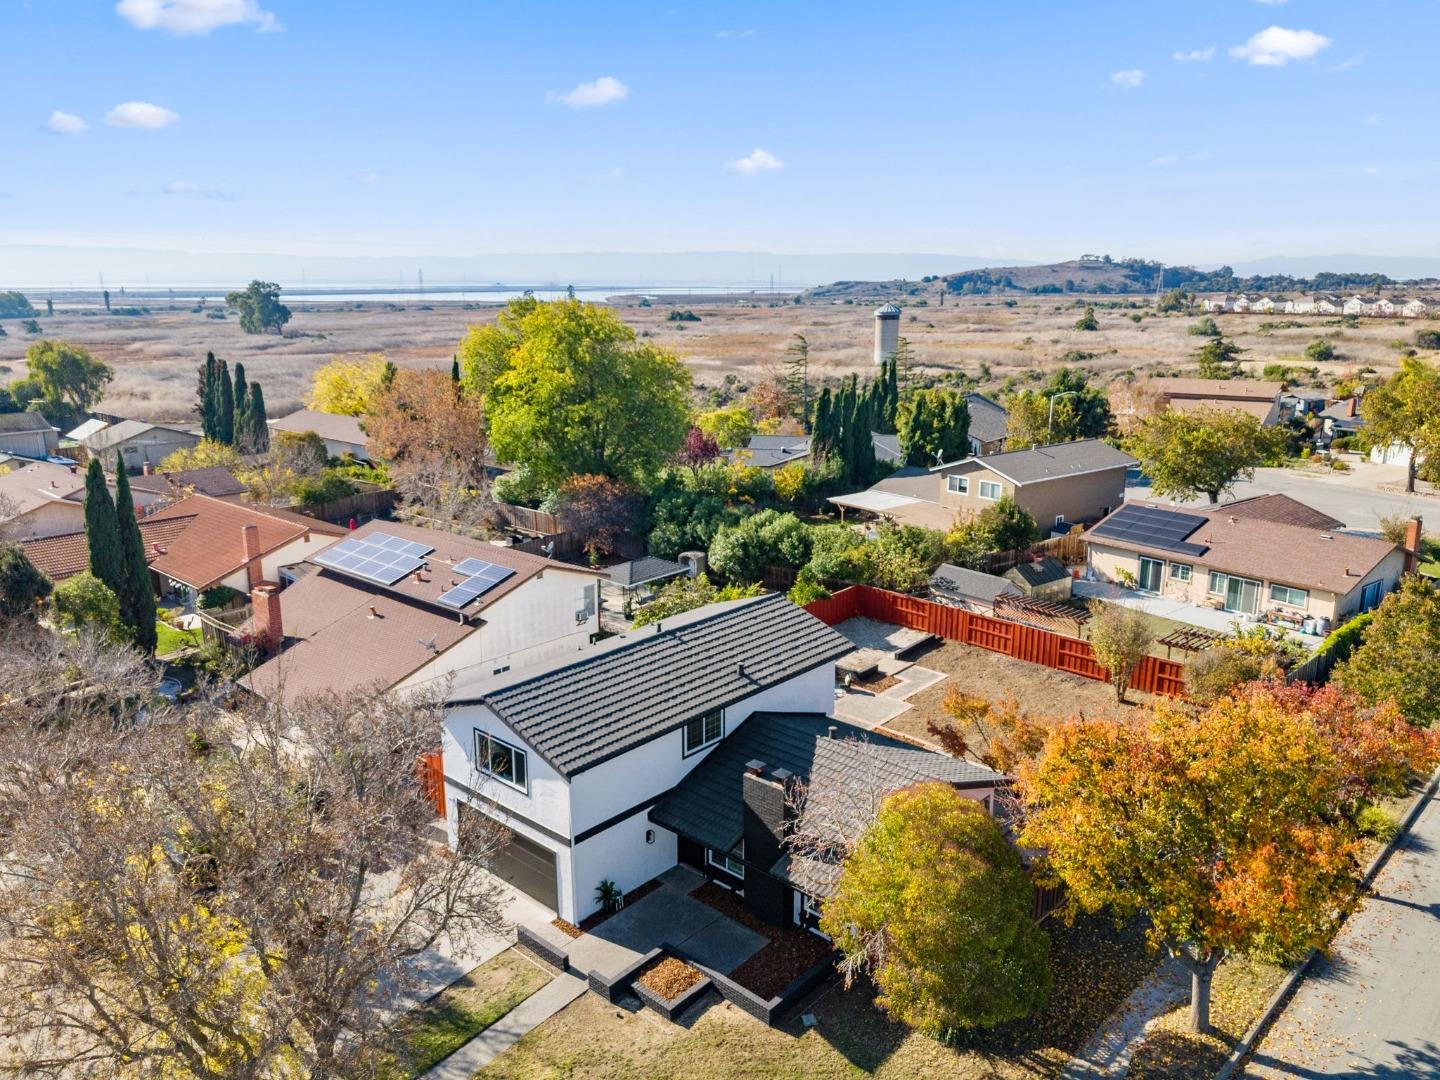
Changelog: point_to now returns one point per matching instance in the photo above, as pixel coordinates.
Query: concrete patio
(1164, 607)
(667, 916)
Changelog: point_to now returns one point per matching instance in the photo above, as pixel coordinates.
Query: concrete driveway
(1359, 498)
(1371, 1009)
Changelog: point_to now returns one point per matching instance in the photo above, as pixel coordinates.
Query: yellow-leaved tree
(347, 386)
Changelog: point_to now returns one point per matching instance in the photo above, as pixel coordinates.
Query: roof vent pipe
(833, 729)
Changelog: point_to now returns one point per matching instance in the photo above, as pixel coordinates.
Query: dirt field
(156, 355)
(986, 674)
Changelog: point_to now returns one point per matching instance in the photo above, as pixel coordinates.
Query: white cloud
(367, 178)
(140, 114)
(1195, 56)
(1275, 46)
(734, 35)
(1371, 170)
(1128, 79)
(64, 123)
(1353, 62)
(1271, 3)
(589, 95)
(184, 187)
(757, 161)
(194, 16)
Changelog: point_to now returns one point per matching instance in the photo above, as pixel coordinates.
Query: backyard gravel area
(987, 674)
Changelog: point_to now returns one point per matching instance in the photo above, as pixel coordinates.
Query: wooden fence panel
(1032, 644)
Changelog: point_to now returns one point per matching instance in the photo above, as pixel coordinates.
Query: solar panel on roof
(483, 576)
(378, 557)
(1151, 526)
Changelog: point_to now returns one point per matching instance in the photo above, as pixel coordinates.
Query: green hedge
(1343, 640)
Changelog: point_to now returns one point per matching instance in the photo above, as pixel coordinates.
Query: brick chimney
(265, 603)
(764, 832)
(1353, 407)
(147, 469)
(250, 536)
(1414, 530)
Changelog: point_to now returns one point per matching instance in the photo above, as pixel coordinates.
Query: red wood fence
(1155, 675)
(431, 768)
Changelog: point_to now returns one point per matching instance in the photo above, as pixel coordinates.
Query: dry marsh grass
(156, 355)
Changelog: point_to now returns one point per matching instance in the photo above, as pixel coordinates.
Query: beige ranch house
(1269, 557)
(1060, 485)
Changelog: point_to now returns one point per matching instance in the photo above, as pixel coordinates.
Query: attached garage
(526, 865)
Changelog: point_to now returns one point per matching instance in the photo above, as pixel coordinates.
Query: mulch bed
(569, 929)
(669, 977)
(791, 951)
(596, 918)
(877, 684)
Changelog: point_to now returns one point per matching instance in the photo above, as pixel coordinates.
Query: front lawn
(464, 1009)
(1095, 967)
(169, 640)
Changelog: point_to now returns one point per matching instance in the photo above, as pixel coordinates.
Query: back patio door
(1151, 573)
(1243, 595)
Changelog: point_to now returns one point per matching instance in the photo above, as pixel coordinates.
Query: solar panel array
(483, 576)
(1151, 526)
(378, 557)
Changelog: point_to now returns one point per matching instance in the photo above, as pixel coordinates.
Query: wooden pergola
(1032, 611)
(1191, 639)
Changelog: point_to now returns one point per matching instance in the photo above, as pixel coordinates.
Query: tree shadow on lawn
(1094, 965)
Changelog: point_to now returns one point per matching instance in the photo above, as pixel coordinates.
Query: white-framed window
(704, 731)
(1180, 571)
(991, 490)
(810, 905)
(1218, 581)
(506, 763)
(1289, 595)
(957, 485)
(723, 860)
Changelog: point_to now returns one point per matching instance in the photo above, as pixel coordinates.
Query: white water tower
(887, 332)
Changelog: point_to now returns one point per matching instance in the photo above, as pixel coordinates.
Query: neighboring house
(40, 498)
(1241, 305)
(972, 590)
(988, 425)
(1362, 305)
(28, 435)
(1342, 418)
(1065, 483)
(1416, 307)
(157, 489)
(138, 443)
(646, 573)
(1383, 306)
(1260, 399)
(1044, 579)
(85, 430)
(342, 435)
(1329, 304)
(233, 545)
(671, 743)
(66, 555)
(1263, 306)
(770, 451)
(1265, 556)
(1302, 403)
(394, 606)
(1218, 304)
(1300, 306)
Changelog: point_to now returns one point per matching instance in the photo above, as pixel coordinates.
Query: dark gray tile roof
(708, 806)
(769, 451)
(1059, 460)
(639, 571)
(579, 711)
(1041, 571)
(988, 419)
(963, 583)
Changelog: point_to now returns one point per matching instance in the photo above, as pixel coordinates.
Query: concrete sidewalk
(509, 1029)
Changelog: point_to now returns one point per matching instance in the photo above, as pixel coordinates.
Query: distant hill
(1098, 275)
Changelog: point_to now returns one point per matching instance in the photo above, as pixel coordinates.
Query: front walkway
(667, 916)
(1107, 1053)
(464, 1063)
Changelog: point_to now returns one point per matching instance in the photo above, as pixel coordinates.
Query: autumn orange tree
(1230, 827)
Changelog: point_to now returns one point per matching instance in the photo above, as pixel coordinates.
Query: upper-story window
(704, 731)
(506, 763)
(989, 489)
(957, 485)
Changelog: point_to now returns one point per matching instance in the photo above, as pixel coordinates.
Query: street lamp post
(1050, 423)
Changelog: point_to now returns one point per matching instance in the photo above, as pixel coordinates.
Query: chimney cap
(781, 775)
(755, 767)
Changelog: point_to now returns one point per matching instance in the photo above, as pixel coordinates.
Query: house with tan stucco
(1059, 486)
(1267, 559)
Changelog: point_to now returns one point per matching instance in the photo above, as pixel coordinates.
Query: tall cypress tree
(102, 532)
(240, 395)
(208, 402)
(455, 369)
(821, 442)
(136, 595)
(225, 428)
(259, 431)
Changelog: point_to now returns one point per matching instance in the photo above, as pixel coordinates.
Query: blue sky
(1037, 130)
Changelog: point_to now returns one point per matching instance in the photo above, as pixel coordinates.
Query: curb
(1278, 1000)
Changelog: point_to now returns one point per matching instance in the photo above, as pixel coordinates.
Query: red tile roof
(68, 554)
(213, 548)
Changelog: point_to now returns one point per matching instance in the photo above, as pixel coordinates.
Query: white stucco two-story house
(618, 763)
